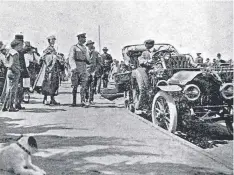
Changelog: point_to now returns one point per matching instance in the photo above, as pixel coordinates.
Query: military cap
(198, 53)
(82, 35)
(149, 41)
(104, 48)
(19, 37)
(3, 47)
(89, 42)
(218, 55)
(51, 37)
(1, 43)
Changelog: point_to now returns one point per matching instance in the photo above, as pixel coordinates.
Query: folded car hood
(183, 77)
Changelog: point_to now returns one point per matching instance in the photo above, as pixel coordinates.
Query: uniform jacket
(95, 62)
(145, 57)
(78, 58)
(12, 61)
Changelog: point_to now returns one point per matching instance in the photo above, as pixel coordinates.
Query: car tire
(164, 106)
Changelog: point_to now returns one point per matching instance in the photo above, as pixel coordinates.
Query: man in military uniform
(141, 76)
(92, 68)
(23, 72)
(107, 60)
(78, 58)
(199, 59)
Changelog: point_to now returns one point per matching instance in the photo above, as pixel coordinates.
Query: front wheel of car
(164, 112)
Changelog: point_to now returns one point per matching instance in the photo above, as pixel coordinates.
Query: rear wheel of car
(229, 123)
(164, 112)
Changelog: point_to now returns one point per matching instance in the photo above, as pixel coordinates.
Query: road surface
(102, 139)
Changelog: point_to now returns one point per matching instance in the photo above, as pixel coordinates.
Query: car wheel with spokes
(164, 112)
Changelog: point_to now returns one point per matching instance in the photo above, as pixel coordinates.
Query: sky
(190, 26)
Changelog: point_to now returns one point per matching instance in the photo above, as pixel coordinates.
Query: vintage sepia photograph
(116, 87)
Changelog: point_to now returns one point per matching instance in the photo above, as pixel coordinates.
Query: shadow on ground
(108, 160)
(42, 110)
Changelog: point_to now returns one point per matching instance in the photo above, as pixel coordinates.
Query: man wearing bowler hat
(107, 60)
(78, 58)
(23, 71)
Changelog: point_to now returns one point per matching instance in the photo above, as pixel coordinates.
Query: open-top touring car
(177, 88)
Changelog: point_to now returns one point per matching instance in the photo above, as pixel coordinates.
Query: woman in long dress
(48, 78)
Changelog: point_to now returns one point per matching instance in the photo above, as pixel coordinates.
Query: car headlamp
(227, 90)
(191, 92)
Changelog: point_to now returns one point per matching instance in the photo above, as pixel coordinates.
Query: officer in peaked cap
(78, 59)
(81, 35)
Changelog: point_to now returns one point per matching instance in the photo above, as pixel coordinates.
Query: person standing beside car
(12, 63)
(107, 60)
(140, 74)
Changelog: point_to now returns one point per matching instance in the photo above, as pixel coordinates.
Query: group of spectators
(23, 67)
(207, 63)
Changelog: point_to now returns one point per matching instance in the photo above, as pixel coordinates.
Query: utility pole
(99, 38)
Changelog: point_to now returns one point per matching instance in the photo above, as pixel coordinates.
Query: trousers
(80, 78)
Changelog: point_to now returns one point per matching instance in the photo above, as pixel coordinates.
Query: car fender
(170, 88)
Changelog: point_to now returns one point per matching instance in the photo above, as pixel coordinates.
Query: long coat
(48, 78)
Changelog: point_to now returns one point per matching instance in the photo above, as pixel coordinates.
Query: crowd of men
(207, 63)
(26, 68)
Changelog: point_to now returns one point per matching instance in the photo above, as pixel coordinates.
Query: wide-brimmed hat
(89, 42)
(51, 37)
(105, 48)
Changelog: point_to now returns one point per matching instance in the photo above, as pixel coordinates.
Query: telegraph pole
(99, 38)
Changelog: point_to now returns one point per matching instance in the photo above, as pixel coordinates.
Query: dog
(16, 158)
